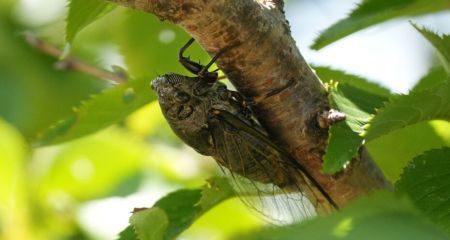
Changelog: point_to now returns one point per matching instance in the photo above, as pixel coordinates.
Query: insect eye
(174, 78)
(182, 97)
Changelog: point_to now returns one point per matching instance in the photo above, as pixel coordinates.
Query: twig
(72, 63)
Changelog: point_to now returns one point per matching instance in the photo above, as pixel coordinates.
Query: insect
(218, 122)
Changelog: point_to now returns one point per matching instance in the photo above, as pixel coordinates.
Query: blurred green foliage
(121, 148)
(44, 190)
(14, 220)
(383, 215)
(33, 94)
(424, 180)
(407, 143)
(82, 13)
(98, 112)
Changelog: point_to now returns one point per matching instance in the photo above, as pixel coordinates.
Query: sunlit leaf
(435, 77)
(371, 12)
(5, 7)
(431, 104)
(425, 180)
(14, 208)
(344, 139)
(343, 144)
(357, 98)
(441, 43)
(215, 191)
(102, 110)
(102, 165)
(378, 216)
(182, 208)
(328, 75)
(150, 223)
(82, 13)
(12, 152)
(127, 234)
(149, 122)
(407, 145)
(216, 222)
(41, 94)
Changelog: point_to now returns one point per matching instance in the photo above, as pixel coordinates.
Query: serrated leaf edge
(392, 100)
(75, 110)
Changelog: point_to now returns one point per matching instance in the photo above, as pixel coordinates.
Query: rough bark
(264, 64)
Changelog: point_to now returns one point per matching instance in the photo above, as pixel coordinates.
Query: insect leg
(213, 76)
(197, 68)
(187, 63)
(204, 72)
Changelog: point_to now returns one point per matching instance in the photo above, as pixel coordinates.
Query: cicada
(218, 122)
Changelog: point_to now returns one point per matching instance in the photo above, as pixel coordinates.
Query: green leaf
(184, 206)
(441, 43)
(127, 234)
(410, 109)
(383, 215)
(102, 110)
(102, 165)
(42, 93)
(14, 198)
(216, 221)
(434, 77)
(426, 181)
(357, 98)
(344, 139)
(150, 224)
(343, 144)
(407, 145)
(328, 75)
(371, 12)
(12, 152)
(214, 192)
(181, 209)
(82, 13)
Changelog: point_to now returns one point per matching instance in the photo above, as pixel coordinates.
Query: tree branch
(72, 63)
(265, 64)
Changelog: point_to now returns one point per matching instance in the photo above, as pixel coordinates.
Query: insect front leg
(196, 68)
(187, 63)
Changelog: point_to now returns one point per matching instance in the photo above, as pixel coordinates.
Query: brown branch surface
(263, 62)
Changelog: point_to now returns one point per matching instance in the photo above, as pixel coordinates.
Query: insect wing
(257, 168)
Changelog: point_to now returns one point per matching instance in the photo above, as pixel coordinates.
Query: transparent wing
(266, 178)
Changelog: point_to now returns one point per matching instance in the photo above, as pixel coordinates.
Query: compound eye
(182, 97)
(174, 78)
